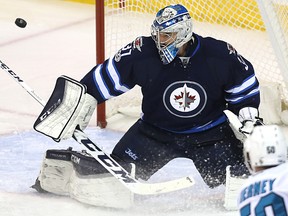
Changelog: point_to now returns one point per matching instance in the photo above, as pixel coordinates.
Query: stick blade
(161, 187)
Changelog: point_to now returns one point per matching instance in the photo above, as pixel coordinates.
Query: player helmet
(265, 147)
(171, 29)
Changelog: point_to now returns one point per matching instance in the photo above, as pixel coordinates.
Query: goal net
(258, 29)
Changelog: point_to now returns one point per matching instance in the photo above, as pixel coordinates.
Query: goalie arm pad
(69, 106)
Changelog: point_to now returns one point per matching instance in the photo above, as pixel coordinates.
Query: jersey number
(126, 50)
(272, 200)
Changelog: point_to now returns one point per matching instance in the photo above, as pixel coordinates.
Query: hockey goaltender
(187, 81)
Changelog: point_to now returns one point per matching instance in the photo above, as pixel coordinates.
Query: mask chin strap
(168, 53)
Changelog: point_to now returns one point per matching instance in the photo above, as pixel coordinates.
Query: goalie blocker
(68, 107)
(80, 176)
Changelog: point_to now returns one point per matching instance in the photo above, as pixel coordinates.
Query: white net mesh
(238, 22)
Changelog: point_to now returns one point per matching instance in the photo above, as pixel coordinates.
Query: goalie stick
(106, 161)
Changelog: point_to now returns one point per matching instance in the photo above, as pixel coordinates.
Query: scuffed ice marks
(20, 160)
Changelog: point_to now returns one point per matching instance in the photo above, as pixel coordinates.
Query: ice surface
(20, 160)
(60, 39)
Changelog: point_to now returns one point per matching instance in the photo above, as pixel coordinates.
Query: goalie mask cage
(258, 29)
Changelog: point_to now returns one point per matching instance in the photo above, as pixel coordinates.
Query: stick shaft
(22, 83)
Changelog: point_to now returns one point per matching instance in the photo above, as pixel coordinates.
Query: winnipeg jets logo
(233, 51)
(131, 154)
(185, 99)
(137, 43)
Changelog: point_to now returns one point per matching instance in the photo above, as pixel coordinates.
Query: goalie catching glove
(69, 107)
(249, 117)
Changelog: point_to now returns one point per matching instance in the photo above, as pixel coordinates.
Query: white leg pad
(60, 177)
(55, 176)
(101, 190)
(233, 185)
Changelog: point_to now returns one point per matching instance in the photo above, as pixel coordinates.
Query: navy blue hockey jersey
(182, 96)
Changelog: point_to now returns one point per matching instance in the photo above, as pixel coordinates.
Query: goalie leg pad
(233, 185)
(68, 107)
(80, 176)
(55, 172)
(55, 176)
(100, 190)
(91, 183)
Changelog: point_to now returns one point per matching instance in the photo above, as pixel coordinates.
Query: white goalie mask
(265, 147)
(171, 29)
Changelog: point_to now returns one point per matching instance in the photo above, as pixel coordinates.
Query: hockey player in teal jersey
(265, 191)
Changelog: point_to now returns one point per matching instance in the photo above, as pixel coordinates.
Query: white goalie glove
(69, 107)
(243, 124)
(248, 116)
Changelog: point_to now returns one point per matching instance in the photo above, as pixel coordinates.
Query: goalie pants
(150, 148)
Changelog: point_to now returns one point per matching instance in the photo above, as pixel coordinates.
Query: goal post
(256, 28)
(100, 55)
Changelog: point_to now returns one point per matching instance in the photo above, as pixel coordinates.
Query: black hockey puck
(20, 22)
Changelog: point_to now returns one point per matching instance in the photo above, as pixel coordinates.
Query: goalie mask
(265, 147)
(171, 29)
